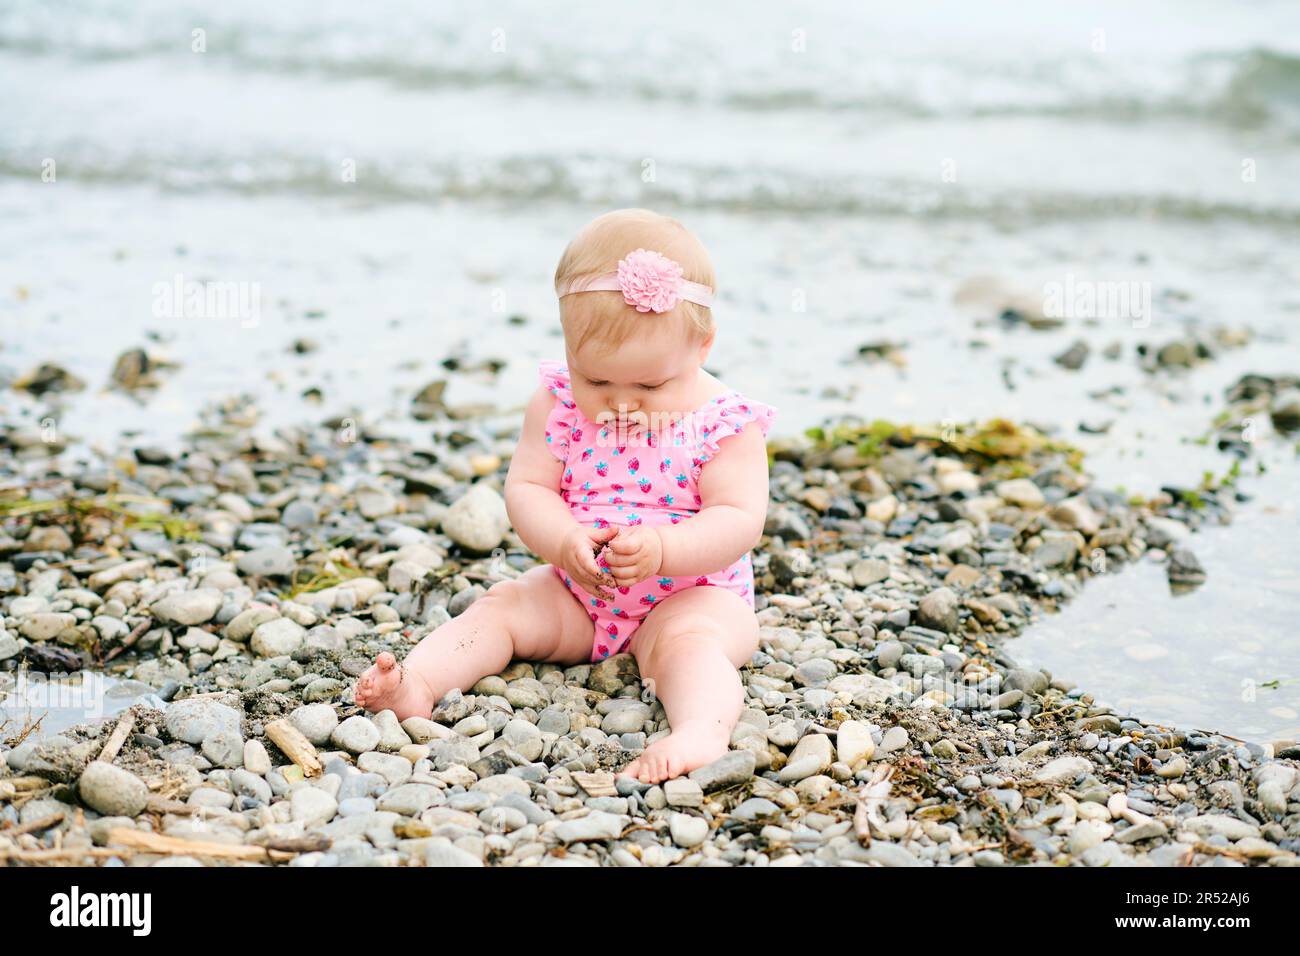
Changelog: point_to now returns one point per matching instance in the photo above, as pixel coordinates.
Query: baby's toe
(658, 768)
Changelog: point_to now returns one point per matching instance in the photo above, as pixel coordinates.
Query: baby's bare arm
(538, 514)
(733, 492)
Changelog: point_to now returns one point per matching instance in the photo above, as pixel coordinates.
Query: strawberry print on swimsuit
(651, 480)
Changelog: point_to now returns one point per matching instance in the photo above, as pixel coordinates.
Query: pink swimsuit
(654, 480)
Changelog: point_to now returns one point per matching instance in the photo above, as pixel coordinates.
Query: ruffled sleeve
(728, 415)
(563, 417)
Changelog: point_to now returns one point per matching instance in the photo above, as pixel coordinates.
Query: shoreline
(886, 722)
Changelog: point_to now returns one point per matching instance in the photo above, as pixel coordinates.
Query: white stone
(392, 737)
(688, 831)
(815, 745)
(277, 638)
(356, 735)
(883, 509)
(316, 722)
(478, 519)
(854, 744)
(111, 790)
(1063, 769)
(188, 607)
(1218, 824)
(895, 738)
(1020, 492)
(402, 575)
(46, 626)
(312, 806)
(256, 759)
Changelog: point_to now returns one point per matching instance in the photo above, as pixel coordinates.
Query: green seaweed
(319, 581)
(74, 510)
(996, 442)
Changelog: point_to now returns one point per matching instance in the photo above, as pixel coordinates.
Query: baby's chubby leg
(690, 647)
(533, 617)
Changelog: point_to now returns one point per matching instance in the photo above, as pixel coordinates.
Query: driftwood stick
(861, 825)
(870, 796)
(130, 639)
(115, 742)
(307, 843)
(21, 785)
(159, 804)
(56, 856)
(159, 843)
(295, 746)
(44, 823)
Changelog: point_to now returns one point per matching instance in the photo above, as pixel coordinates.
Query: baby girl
(642, 481)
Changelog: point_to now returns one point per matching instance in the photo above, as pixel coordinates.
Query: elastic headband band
(649, 281)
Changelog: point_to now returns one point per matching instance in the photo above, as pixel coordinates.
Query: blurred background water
(397, 182)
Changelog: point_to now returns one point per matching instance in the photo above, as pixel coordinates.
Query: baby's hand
(634, 554)
(578, 560)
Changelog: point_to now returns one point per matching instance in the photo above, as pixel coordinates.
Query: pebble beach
(234, 592)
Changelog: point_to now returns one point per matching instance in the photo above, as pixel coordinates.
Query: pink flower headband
(649, 281)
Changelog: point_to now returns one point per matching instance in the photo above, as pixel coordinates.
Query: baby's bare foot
(686, 748)
(390, 686)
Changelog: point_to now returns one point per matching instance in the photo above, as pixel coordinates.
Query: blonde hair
(596, 250)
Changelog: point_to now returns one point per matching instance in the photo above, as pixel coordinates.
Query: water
(1222, 657)
(57, 702)
(849, 180)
